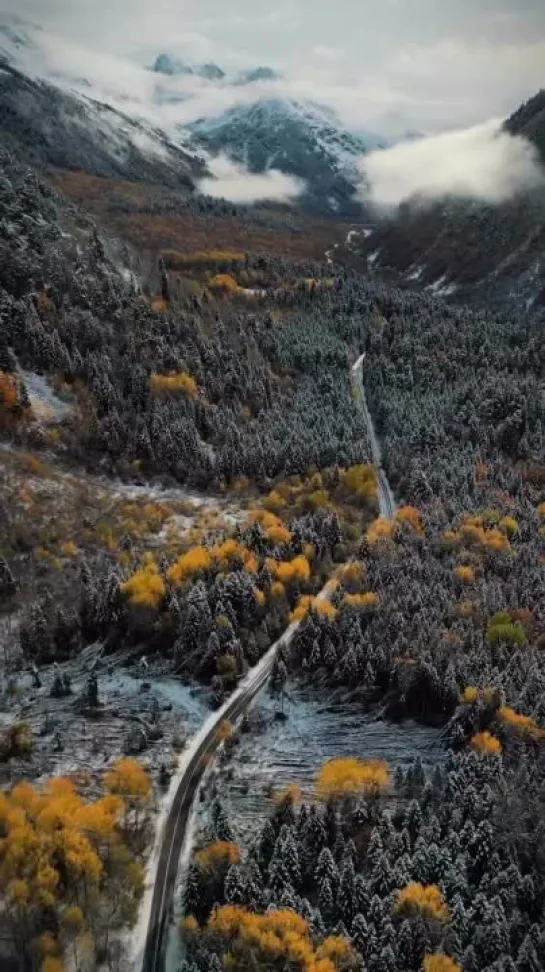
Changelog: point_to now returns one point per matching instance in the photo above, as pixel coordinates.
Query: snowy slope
(299, 138)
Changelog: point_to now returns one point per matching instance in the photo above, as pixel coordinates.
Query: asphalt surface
(386, 497)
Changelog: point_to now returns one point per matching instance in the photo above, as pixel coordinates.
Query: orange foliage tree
(380, 531)
(288, 571)
(485, 742)
(441, 963)
(425, 898)
(465, 574)
(173, 384)
(520, 723)
(190, 564)
(411, 515)
(278, 939)
(363, 602)
(128, 779)
(350, 776)
(308, 603)
(146, 587)
(62, 855)
(219, 855)
(361, 481)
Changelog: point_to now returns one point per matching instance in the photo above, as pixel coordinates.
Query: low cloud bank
(483, 162)
(228, 180)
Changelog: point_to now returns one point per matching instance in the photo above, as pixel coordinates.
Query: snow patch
(42, 395)
(415, 273)
(441, 287)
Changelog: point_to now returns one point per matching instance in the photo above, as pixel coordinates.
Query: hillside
(47, 126)
(469, 249)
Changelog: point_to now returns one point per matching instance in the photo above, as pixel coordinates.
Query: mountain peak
(172, 66)
(260, 73)
(166, 64)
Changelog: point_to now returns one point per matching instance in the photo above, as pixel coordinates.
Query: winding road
(196, 759)
(386, 497)
(207, 740)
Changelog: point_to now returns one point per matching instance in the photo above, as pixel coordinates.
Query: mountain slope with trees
(484, 253)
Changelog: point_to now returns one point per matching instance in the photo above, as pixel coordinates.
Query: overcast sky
(433, 65)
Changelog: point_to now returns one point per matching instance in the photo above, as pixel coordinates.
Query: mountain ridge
(469, 249)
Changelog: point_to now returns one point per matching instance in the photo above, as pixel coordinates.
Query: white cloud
(233, 182)
(483, 162)
(445, 83)
(327, 53)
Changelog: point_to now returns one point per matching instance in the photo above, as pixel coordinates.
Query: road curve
(202, 747)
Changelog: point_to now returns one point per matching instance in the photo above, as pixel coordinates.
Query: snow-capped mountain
(46, 125)
(138, 118)
(173, 66)
(298, 138)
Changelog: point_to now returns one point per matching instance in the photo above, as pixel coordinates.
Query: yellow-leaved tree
(350, 776)
(277, 940)
(128, 779)
(63, 855)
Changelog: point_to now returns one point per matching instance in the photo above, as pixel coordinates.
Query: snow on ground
(415, 273)
(42, 397)
(373, 258)
(138, 934)
(161, 710)
(277, 754)
(441, 288)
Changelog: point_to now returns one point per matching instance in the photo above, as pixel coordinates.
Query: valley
(272, 528)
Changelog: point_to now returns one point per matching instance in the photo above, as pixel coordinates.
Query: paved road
(386, 497)
(201, 749)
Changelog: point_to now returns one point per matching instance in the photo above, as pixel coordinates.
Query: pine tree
(326, 870)
(7, 583)
(221, 828)
(360, 934)
(375, 851)
(234, 888)
(91, 697)
(527, 959)
(266, 846)
(325, 902)
(193, 891)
